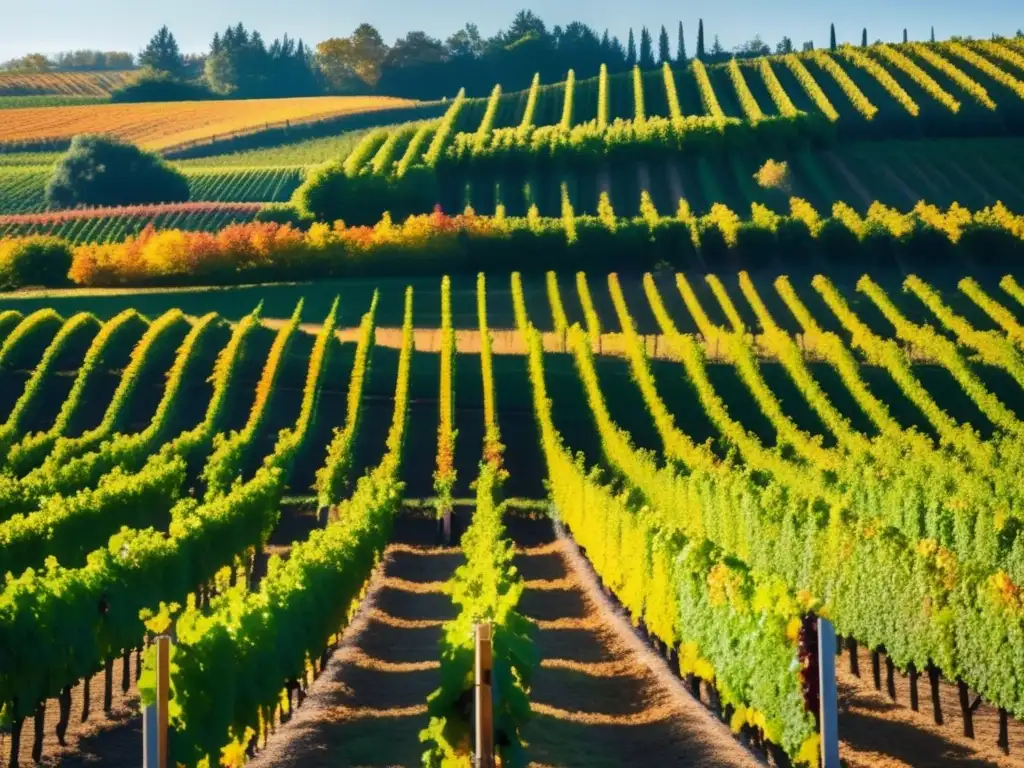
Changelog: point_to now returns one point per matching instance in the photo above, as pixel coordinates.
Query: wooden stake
(484, 698)
(890, 677)
(163, 690)
(155, 716)
(851, 646)
(828, 698)
(1004, 734)
(876, 670)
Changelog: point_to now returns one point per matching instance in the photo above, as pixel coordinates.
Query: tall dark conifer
(664, 49)
(631, 50)
(162, 53)
(681, 46)
(832, 39)
(701, 53)
(646, 49)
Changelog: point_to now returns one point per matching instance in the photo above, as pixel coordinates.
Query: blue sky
(54, 25)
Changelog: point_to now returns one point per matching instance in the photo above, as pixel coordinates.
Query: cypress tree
(681, 46)
(700, 40)
(904, 34)
(664, 49)
(933, 34)
(864, 38)
(646, 49)
(832, 39)
(631, 50)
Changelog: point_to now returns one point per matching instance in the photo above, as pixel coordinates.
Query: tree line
(71, 61)
(239, 63)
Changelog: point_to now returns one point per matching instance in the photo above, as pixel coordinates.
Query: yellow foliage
(774, 174)
(809, 751)
(158, 125)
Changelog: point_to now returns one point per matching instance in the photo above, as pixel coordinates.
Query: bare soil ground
(369, 705)
(878, 731)
(911, 195)
(855, 183)
(509, 341)
(596, 698)
(113, 739)
(601, 697)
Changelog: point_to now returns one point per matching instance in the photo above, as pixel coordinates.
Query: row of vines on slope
(487, 588)
(300, 604)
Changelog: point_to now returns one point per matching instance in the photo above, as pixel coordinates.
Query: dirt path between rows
(508, 341)
(601, 697)
(855, 183)
(912, 197)
(643, 177)
(882, 732)
(369, 705)
(113, 739)
(675, 182)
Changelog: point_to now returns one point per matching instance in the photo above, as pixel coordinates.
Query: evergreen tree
(631, 50)
(933, 34)
(717, 50)
(664, 50)
(681, 46)
(904, 34)
(162, 53)
(617, 61)
(646, 49)
(864, 38)
(832, 39)
(606, 45)
(701, 53)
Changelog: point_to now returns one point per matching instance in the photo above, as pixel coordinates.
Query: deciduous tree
(361, 54)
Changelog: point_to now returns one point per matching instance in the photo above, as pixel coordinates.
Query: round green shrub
(283, 213)
(100, 170)
(329, 194)
(41, 261)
